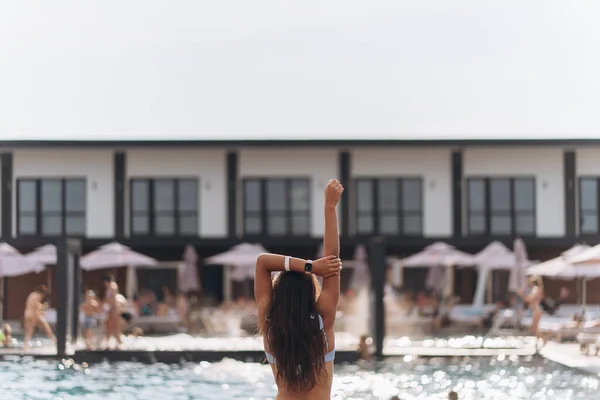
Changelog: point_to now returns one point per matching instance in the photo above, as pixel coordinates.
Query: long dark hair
(293, 334)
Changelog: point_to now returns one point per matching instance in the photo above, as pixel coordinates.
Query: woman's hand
(333, 192)
(327, 266)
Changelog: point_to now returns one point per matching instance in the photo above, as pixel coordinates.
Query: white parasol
(439, 254)
(518, 279)
(558, 267)
(115, 255)
(360, 275)
(239, 262)
(439, 257)
(45, 255)
(13, 263)
(494, 256)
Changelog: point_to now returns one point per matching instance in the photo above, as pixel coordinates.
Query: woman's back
(324, 379)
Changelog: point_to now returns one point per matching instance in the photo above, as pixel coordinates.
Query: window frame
(376, 213)
(580, 211)
(512, 211)
(152, 213)
(39, 214)
(263, 213)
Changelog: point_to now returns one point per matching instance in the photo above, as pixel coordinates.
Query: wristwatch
(308, 267)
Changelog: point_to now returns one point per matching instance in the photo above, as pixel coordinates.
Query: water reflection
(492, 378)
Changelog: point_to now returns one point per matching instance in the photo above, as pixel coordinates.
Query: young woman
(533, 300)
(35, 306)
(296, 316)
(113, 315)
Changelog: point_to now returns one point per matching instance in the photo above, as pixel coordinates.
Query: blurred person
(113, 315)
(364, 353)
(551, 305)
(136, 332)
(90, 309)
(34, 314)
(533, 299)
(452, 395)
(182, 307)
(6, 335)
(168, 298)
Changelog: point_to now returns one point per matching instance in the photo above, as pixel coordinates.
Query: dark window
(164, 207)
(588, 205)
(277, 206)
(501, 206)
(389, 206)
(51, 207)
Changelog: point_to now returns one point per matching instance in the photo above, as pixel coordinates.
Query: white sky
(409, 69)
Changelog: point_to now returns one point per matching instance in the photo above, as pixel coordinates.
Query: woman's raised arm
(330, 295)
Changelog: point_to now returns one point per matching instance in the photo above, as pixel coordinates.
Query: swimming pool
(497, 378)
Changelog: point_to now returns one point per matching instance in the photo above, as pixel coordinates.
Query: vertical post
(378, 272)
(74, 251)
(119, 166)
(68, 287)
(6, 161)
(63, 296)
(2, 291)
(227, 283)
(344, 174)
(457, 193)
(232, 197)
(570, 174)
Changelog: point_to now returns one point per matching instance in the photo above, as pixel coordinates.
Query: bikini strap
(322, 329)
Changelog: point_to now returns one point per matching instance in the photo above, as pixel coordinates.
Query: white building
(199, 191)
(159, 196)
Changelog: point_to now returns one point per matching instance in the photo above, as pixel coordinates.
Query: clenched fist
(333, 192)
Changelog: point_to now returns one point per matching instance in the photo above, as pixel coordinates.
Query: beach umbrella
(360, 275)
(494, 256)
(440, 258)
(13, 263)
(115, 255)
(439, 254)
(242, 256)
(239, 262)
(518, 279)
(558, 266)
(45, 255)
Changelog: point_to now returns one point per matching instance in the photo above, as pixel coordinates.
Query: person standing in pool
(90, 309)
(34, 315)
(296, 316)
(113, 314)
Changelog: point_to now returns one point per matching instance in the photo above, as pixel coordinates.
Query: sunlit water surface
(498, 378)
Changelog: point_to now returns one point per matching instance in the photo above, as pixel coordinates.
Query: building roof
(408, 72)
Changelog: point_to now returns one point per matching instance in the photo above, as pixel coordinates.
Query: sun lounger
(469, 314)
(504, 317)
(562, 328)
(164, 324)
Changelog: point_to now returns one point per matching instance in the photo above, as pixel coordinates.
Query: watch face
(308, 267)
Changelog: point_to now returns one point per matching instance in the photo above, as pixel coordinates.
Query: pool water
(496, 378)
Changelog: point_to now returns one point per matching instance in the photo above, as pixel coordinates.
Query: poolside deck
(183, 348)
(568, 354)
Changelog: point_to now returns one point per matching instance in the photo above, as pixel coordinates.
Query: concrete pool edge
(179, 356)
